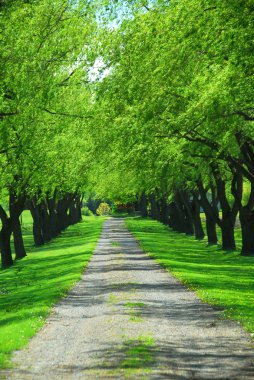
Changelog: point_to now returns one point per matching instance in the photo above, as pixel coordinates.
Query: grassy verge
(30, 288)
(219, 278)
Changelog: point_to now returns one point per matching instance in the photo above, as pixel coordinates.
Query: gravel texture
(130, 319)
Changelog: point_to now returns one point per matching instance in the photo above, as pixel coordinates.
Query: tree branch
(3, 215)
(210, 9)
(244, 115)
(67, 114)
(2, 151)
(5, 114)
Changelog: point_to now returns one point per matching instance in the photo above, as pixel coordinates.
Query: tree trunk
(16, 206)
(176, 219)
(52, 216)
(5, 244)
(198, 228)
(73, 213)
(229, 212)
(164, 212)
(20, 251)
(37, 223)
(247, 227)
(189, 230)
(155, 214)
(228, 233)
(211, 230)
(171, 220)
(136, 203)
(62, 212)
(78, 206)
(143, 205)
(210, 210)
(46, 233)
(182, 203)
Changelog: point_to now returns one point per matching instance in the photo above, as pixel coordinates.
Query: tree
(44, 64)
(175, 78)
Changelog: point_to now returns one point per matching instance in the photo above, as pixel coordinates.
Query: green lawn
(219, 278)
(30, 288)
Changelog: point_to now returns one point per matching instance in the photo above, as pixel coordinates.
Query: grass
(134, 304)
(112, 299)
(136, 357)
(139, 355)
(219, 278)
(135, 311)
(32, 286)
(115, 244)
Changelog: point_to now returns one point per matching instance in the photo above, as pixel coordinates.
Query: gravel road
(130, 319)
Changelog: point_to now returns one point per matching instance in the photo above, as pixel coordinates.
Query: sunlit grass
(219, 278)
(30, 288)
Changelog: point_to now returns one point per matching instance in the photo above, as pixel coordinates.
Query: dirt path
(129, 319)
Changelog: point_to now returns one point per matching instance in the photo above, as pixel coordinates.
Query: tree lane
(128, 318)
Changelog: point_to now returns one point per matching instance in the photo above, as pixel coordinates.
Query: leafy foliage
(103, 209)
